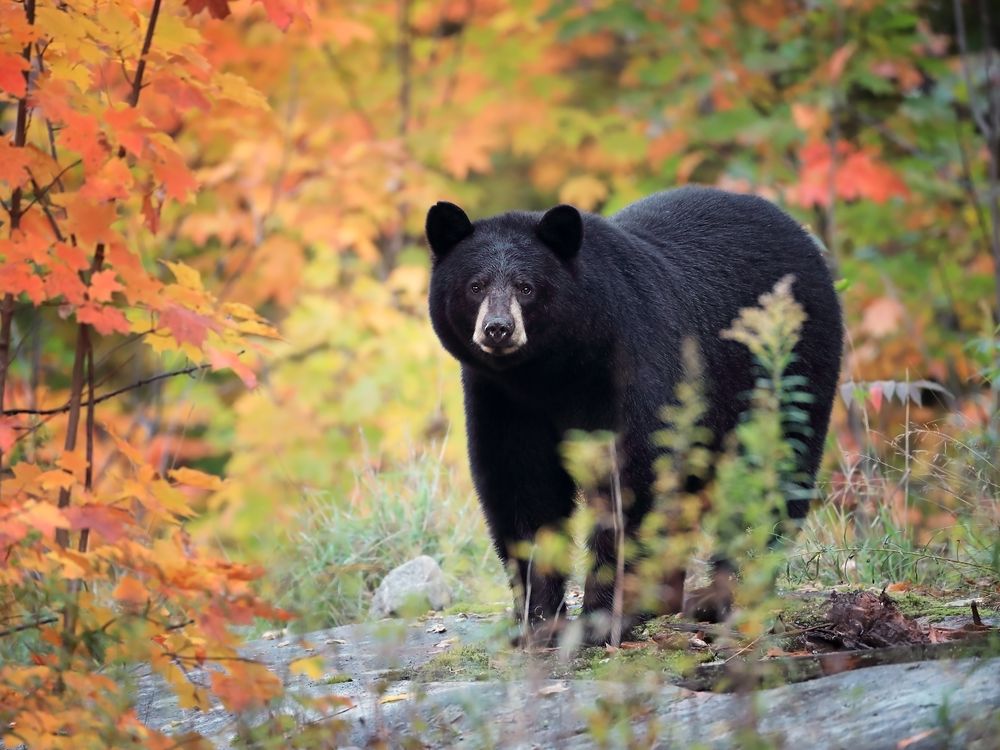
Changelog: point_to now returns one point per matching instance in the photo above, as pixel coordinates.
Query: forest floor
(839, 669)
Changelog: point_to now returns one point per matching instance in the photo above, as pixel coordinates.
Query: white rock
(420, 577)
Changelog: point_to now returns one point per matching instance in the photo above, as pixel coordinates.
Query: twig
(41, 192)
(49, 619)
(976, 619)
(618, 598)
(890, 550)
(47, 210)
(988, 123)
(88, 482)
(140, 69)
(112, 394)
(29, 625)
(963, 48)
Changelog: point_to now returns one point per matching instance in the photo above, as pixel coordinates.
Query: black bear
(569, 320)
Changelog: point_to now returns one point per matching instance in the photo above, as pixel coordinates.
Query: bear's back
(723, 250)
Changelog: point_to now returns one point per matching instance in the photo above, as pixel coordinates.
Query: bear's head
(496, 283)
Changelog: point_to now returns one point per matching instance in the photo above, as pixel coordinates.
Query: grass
(925, 514)
(940, 536)
(342, 548)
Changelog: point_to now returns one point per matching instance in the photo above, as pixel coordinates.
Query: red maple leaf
(216, 8)
(856, 174)
(185, 325)
(221, 360)
(8, 433)
(111, 523)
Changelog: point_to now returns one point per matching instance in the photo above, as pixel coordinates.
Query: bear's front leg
(526, 496)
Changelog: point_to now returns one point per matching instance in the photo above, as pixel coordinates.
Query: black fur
(611, 302)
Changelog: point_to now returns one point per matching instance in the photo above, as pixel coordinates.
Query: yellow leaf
(236, 89)
(74, 564)
(255, 328)
(242, 312)
(311, 667)
(585, 192)
(395, 698)
(186, 276)
(56, 478)
(171, 498)
(195, 478)
(126, 450)
(173, 35)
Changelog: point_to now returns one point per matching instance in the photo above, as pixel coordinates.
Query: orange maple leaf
(130, 591)
(113, 180)
(62, 281)
(13, 163)
(90, 220)
(123, 122)
(104, 318)
(72, 255)
(83, 135)
(20, 278)
(245, 686)
(12, 67)
(102, 285)
(177, 179)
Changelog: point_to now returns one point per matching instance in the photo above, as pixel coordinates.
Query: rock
(417, 583)
(920, 706)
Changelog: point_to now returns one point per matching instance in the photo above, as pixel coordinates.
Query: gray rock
(921, 705)
(418, 580)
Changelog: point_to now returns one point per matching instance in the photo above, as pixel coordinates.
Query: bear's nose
(498, 330)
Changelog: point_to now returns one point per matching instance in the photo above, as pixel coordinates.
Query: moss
(804, 611)
(460, 663)
(336, 679)
(476, 608)
(636, 664)
(925, 605)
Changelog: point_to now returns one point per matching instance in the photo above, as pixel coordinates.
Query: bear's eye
(476, 288)
(526, 290)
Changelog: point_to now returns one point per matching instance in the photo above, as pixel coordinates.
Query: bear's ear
(447, 225)
(561, 228)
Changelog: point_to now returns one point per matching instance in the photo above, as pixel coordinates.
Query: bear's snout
(498, 330)
(499, 327)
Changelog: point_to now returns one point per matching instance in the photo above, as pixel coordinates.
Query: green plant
(342, 547)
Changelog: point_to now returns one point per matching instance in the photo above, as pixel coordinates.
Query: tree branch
(106, 396)
(41, 192)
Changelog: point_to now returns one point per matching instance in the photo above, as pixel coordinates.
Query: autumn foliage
(213, 285)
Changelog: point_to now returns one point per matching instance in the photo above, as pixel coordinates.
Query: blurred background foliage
(864, 118)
